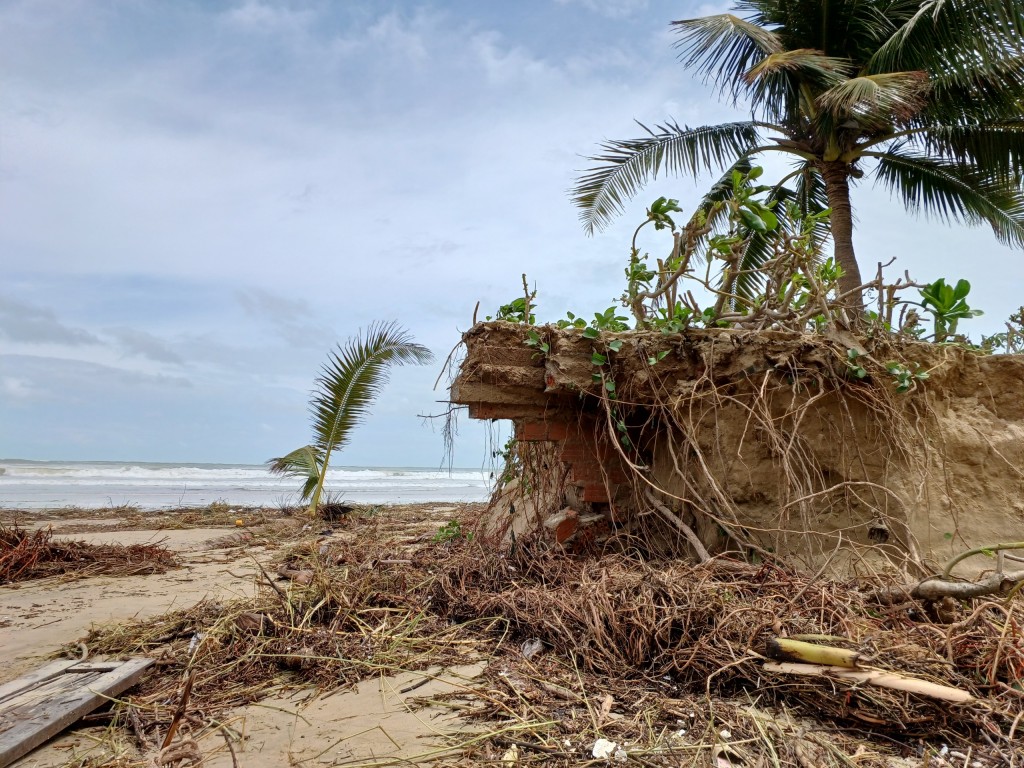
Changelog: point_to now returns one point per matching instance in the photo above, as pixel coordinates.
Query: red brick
(503, 411)
(584, 472)
(595, 492)
(596, 471)
(572, 452)
(557, 430)
(566, 528)
(617, 475)
(541, 430)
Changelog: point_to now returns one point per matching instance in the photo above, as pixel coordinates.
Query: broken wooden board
(41, 704)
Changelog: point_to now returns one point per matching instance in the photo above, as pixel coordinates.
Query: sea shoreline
(48, 485)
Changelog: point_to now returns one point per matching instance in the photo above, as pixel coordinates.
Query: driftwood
(787, 649)
(877, 677)
(938, 587)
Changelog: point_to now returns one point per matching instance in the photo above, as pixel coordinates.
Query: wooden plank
(32, 679)
(69, 697)
(95, 666)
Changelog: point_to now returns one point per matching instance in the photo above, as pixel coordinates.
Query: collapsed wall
(767, 443)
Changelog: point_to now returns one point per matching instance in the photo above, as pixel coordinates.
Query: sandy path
(372, 724)
(37, 618)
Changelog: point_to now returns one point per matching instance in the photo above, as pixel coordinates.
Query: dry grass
(28, 555)
(663, 637)
(660, 656)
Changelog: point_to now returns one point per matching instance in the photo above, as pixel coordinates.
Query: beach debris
(879, 677)
(786, 649)
(511, 755)
(698, 624)
(606, 709)
(302, 576)
(36, 707)
(184, 752)
(603, 749)
(698, 632)
(252, 623)
(334, 511)
(728, 757)
(531, 647)
(26, 555)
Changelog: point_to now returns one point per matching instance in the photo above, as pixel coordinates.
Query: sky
(199, 200)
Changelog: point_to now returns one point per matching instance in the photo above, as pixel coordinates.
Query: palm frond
(352, 378)
(625, 166)
(723, 47)
(996, 149)
(778, 83)
(758, 249)
(978, 93)
(952, 191)
(304, 462)
(712, 214)
(952, 36)
(876, 101)
(348, 383)
(811, 65)
(811, 198)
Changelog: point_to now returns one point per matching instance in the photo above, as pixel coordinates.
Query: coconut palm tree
(925, 95)
(349, 382)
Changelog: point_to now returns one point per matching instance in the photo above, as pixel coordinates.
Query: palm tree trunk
(836, 175)
(314, 502)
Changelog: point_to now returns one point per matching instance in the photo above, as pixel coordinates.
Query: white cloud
(134, 342)
(15, 388)
(262, 16)
(21, 322)
(230, 193)
(615, 9)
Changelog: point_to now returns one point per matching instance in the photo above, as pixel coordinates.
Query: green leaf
(771, 221)
(615, 345)
(591, 333)
(304, 462)
(626, 165)
(349, 382)
(752, 221)
(598, 359)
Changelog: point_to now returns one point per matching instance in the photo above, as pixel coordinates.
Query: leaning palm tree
(349, 382)
(924, 94)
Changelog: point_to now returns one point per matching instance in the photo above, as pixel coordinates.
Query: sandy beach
(395, 636)
(220, 561)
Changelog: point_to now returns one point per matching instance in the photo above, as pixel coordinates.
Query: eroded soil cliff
(768, 442)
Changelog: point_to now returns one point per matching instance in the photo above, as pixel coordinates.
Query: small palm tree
(349, 382)
(928, 92)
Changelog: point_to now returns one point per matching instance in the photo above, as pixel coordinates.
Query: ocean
(151, 486)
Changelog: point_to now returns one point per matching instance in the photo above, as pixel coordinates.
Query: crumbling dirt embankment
(767, 441)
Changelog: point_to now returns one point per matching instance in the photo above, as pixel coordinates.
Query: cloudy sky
(199, 199)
